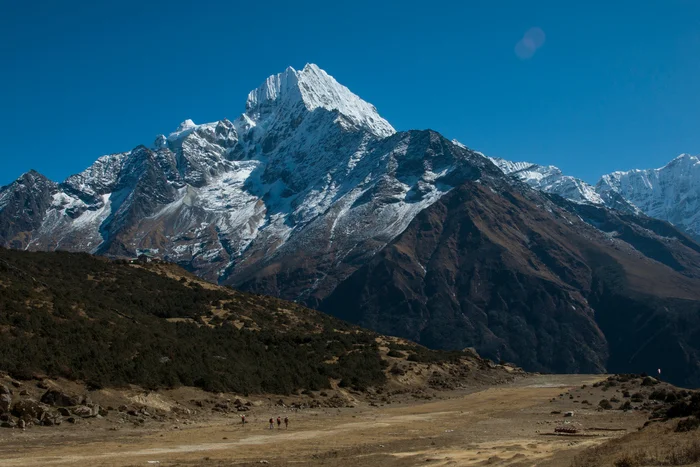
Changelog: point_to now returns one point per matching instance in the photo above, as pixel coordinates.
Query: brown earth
(512, 424)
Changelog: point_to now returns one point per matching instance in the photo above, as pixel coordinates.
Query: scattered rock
(60, 399)
(9, 424)
(29, 409)
(24, 392)
(82, 411)
(64, 411)
(95, 409)
(52, 420)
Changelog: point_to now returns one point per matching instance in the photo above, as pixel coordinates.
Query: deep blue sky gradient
(615, 86)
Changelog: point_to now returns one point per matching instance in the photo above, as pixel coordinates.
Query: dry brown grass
(653, 446)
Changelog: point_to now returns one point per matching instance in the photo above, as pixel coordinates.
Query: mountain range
(670, 193)
(310, 195)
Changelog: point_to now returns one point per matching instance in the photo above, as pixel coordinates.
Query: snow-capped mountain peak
(314, 88)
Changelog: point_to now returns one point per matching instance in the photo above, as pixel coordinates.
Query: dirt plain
(510, 424)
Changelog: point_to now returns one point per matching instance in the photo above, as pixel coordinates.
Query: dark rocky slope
(526, 278)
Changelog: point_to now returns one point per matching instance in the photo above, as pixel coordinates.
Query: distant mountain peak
(683, 159)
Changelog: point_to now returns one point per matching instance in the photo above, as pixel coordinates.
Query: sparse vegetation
(110, 323)
(688, 424)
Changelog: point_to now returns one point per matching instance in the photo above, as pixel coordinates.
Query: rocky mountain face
(311, 196)
(23, 205)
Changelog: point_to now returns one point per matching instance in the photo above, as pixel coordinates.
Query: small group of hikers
(272, 422)
(279, 423)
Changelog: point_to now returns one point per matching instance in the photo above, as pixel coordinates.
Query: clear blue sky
(615, 85)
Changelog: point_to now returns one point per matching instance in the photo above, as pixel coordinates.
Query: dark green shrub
(688, 424)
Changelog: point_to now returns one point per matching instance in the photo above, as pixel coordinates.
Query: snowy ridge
(550, 180)
(670, 193)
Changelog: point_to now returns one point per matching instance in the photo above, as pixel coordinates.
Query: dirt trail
(496, 426)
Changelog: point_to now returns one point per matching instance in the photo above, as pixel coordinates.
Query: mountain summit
(314, 88)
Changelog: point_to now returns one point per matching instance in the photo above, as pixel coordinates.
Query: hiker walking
(279, 422)
(286, 423)
(242, 419)
(272, 424)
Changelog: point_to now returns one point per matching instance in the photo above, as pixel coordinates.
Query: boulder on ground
(58, 398)
(5, 390)
(5, 402)
(29, 410)
(52, 420)
(95, 408)
(83, 411)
